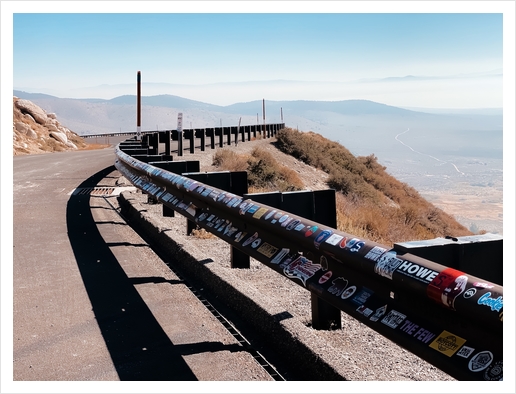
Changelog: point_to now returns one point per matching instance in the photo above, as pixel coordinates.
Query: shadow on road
(138, 346)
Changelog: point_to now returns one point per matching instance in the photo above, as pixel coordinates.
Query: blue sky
(460, 55)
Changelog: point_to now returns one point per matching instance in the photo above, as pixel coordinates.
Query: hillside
(370, 202)
(35, 131)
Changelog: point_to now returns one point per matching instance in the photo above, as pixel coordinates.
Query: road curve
(92, 301)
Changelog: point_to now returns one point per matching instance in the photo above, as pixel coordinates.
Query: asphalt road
(92, 302)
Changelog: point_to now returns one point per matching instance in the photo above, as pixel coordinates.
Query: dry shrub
(266, 173)
(362, 219)
(51, 145)
(229, 160)
(375, 205)
(202, 234)
(94, 146)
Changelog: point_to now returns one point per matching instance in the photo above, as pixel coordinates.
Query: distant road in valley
(425, 154)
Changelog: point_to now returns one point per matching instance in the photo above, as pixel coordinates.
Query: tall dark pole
(263, 110)
(138, 105)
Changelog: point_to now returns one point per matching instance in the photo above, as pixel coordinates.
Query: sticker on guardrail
(393, 319)
(301, 268)
(480, 361)
(386, 263)
(417, 332)
(447, 343)
(446, 286)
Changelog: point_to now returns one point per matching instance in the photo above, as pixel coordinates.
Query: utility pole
(263, 111)
(138, 105)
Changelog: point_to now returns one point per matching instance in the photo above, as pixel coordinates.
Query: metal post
(263, 111)
(324, 315)
(180, 134)
(203, 140)
(239, 259)
(212, 139)
(192, 141)
(168, 138)
(229, 135)
(221, 138)
(180, 144)
(138, 106)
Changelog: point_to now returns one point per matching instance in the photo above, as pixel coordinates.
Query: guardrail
(449, 318)
(239, 132)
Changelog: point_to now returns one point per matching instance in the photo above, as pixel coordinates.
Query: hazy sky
(460, 55)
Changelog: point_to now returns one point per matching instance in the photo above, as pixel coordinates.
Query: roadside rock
(35, 131)
(59, 136)
(26, 106)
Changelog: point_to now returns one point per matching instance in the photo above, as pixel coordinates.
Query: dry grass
(94, 146)
(264, 173)
(229, 160)
(370, 202)
(202, 234)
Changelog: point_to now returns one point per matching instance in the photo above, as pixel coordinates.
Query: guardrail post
(177, 167)
(153, 144)
(211, 133)
(324, 315)
(190, 226)
(168, 212)
(180, 144)
(234, 182)
(228, 138)
(203, 139)
(221, 137)
(168, 139)
(192, 141)
(235, 131)
(320, 207)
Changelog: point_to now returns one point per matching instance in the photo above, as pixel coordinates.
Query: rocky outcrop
(35, 131)
(28, 107)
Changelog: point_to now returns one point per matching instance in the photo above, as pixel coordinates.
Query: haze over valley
(453, 158)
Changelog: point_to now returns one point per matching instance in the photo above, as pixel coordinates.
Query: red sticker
(447, 286)
(325, 277)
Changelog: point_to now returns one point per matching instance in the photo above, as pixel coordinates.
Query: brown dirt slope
(370, 202)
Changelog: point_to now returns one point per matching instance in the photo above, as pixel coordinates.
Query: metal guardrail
(447, 317)
(208, 131)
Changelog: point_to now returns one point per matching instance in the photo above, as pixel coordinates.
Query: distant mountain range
(428, 148)
(96, 116)
(363, 126)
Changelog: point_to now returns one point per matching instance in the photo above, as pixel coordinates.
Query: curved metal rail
(447, 317)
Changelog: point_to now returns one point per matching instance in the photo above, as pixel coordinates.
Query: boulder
(21, 127)
(70, 144)
(61, 137)
(52, 127)
(25, 129)
(29, 118)
(29, 107)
